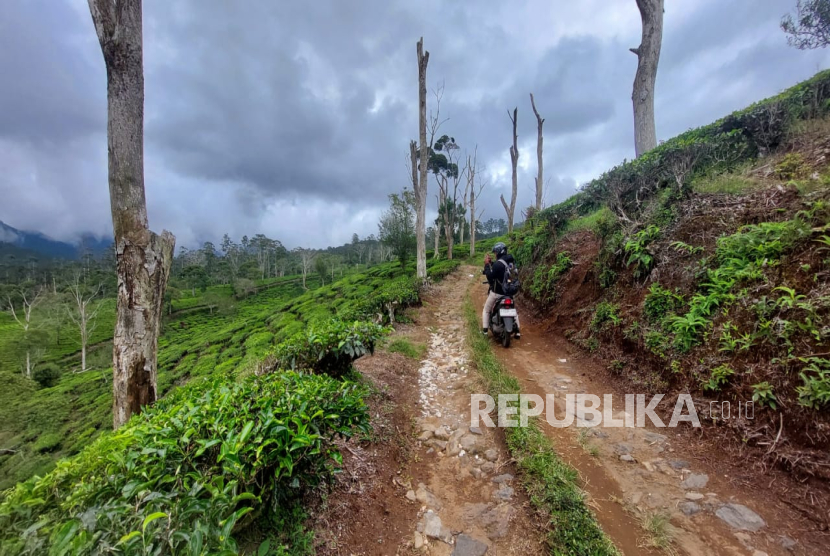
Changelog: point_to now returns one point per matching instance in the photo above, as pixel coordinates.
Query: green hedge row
(179, 478)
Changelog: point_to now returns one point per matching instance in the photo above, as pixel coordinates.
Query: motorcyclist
(495, 276)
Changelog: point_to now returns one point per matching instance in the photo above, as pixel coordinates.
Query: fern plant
(687, 330)
(690, 249)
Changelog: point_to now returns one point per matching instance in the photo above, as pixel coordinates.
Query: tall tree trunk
(449, 234)
(648, 56)
(437, 237)
(142, 258)
(472, 178)
(539, 143)
(514, 159)
(421, 186)
(28, 365)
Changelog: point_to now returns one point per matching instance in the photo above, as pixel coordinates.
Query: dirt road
(638, 478)
(429, 484)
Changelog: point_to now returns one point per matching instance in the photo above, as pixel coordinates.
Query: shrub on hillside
(179, 478)
(386, 302)
(47, 374)
(638, 250)
(330, 349)
(605, 315)
(243, 287)
(660, 302)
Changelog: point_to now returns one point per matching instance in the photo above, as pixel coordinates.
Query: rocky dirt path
(644, 473)
(469, 502)
(426, 483)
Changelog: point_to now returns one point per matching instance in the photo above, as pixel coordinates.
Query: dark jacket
(495, 273)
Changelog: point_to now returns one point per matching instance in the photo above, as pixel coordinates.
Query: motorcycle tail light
(508, 301)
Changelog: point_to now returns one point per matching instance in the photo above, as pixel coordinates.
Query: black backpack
(510, 282)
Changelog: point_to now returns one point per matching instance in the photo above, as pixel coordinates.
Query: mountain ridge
(41, 244)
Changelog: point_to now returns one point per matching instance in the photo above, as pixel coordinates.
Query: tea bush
(328, 349)
(180, 477)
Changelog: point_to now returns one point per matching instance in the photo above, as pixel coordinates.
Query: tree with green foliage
(305, 257)
(232, 258)
(321, 267)
(397, 225)
(195, 276)
(810, 28)
(442, 163)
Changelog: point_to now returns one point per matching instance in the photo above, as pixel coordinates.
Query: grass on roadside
(659, 532)
(407, 348)
(551, 484)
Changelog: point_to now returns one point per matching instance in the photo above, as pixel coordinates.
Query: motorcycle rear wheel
(505, 339)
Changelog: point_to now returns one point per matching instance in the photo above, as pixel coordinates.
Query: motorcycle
(503, 319)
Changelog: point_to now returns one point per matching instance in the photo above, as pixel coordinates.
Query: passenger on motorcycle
(494, 271)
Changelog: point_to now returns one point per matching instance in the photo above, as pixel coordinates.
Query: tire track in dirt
(632, 473)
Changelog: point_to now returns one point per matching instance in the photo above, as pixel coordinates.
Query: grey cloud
(293, 119)
(50, 93)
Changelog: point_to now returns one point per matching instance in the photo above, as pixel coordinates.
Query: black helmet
(500, 249)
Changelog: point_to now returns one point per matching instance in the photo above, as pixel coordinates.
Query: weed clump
(606, 314)
(544, 280)
(660, 302)
(407, 348)
(638, 251)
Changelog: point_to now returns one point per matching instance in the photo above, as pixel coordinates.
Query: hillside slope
(704, 267)
(40, 425)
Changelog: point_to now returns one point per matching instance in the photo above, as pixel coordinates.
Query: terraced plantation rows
(42, 425)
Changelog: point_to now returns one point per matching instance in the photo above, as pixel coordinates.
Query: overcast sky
(293, 118)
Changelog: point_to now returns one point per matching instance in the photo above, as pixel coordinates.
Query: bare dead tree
(539, 162)
(465, 202)
(514, 159)
(475, 191)
(82, 313)
(307, 257)
(421, 187)
(143, 258)
(648, 56)
(24, 318)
